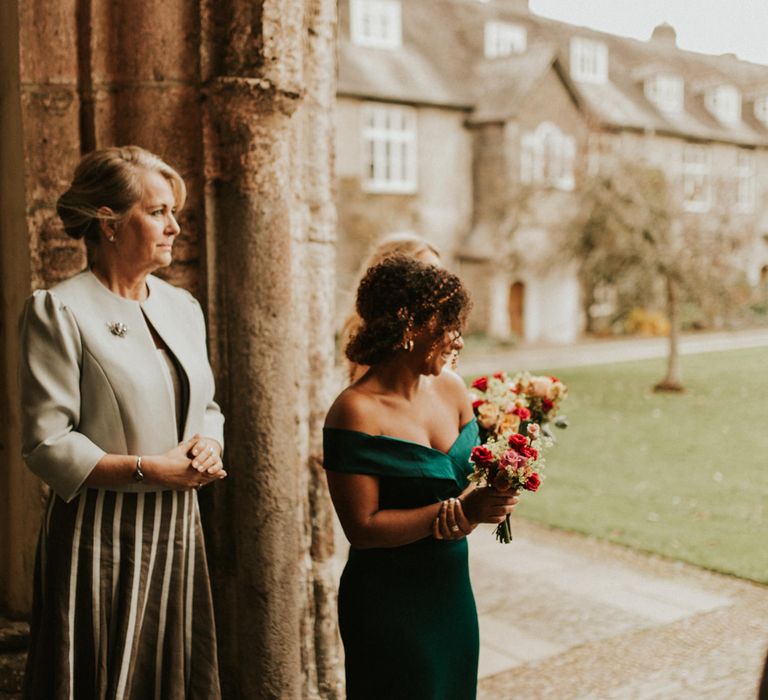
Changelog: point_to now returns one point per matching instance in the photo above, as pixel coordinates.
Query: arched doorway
(517, 310)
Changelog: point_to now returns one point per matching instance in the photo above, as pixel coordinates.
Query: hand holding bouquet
(507, 464)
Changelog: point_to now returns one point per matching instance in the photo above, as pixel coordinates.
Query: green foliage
(683, 476)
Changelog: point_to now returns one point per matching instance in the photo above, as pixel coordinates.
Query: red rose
(517, 441)
(500, 481)
(547, 405)
(523, 412)
(477, 404)
(481, 383)
(481, 455)
(529, 453)
(532, 483)
(554, 379)
(499, 375)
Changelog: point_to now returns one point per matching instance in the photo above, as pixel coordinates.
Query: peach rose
(487, 415)
(509, 423)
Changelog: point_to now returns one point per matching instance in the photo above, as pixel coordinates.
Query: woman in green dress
(397, 444)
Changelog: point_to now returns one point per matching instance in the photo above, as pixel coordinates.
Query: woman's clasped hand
(457, 517)
(191, 464)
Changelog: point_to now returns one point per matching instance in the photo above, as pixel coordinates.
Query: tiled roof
(441, 63)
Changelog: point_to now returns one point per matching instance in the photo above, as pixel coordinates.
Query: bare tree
(631, 235)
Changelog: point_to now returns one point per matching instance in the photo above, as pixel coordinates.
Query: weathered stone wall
(237, 95)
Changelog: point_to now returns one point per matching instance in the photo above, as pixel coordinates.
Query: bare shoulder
(452, 388)
(353, 410)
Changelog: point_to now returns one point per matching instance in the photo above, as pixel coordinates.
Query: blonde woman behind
(408, 244)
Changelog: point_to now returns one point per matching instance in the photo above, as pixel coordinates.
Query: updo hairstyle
(399, 296)
(110, 177)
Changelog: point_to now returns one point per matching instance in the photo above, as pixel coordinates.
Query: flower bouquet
(514, 415)
(507, 464)
(504, 405)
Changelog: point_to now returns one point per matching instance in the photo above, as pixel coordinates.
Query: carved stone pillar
(268, 136)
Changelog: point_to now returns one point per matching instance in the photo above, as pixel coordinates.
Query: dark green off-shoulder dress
(407, 614)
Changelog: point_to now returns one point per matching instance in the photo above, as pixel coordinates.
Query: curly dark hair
(399, 295)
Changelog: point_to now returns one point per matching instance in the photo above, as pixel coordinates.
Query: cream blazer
(87, 390)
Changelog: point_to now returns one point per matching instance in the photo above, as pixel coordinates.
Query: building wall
(439, 210)
(520, 227)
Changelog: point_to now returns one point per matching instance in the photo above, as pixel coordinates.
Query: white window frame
(547, 157)
(724, 103)
(697, 185)
(761, 109)
(666, 91)
(504, 39)
(745, 181)
(376, 24)
(589, 61)
(389, 146)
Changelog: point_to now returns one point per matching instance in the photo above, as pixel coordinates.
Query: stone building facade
(534, 106)
(239, 97)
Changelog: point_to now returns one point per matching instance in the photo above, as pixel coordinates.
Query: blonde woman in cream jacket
(119, 419)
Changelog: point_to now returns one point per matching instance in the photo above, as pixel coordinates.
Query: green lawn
(685, 476)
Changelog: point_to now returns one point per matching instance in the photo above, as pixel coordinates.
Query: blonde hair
(407, 244)
(110, 177)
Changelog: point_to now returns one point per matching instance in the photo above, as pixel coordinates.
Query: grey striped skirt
(122, 600)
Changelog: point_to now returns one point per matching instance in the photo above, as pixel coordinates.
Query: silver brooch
(117, 328)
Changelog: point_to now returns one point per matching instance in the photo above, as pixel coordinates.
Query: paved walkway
(596, 352)
(567, 617)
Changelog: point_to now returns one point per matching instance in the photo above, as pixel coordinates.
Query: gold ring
(454, 528)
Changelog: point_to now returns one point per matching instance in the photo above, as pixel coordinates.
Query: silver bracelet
(138, 475)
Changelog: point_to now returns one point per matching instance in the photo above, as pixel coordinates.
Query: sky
(706, 26)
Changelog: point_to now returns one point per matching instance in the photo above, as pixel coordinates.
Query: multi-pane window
(724, 102)
(696, 178)
(761, 109)
(376, 23)
(504, 39)
(666, 92)
(745, 181)
(389, 144)
(547, 157)
(589, 60)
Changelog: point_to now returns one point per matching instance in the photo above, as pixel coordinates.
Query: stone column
(267, 136)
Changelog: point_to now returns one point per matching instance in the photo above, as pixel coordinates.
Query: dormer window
(376, 23)
(761, 109)
(724, 103)
(504, 39)
(666, 92)
(589, 60)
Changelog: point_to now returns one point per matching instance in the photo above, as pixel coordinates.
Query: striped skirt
(122, 600)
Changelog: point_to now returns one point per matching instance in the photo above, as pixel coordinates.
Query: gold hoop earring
(408, 345)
